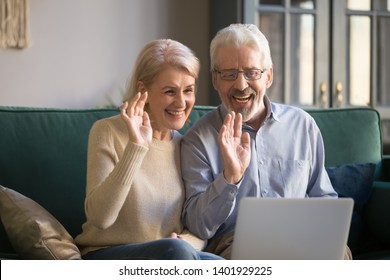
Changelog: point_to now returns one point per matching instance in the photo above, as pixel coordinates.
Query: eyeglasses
(232, 74)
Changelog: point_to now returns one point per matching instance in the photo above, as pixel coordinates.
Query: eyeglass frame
(261, 71)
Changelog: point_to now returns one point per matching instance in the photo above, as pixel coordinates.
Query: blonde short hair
(155, 56)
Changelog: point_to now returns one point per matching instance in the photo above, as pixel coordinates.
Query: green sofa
(43, 155)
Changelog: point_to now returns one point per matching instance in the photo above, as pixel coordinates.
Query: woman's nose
(180, 100)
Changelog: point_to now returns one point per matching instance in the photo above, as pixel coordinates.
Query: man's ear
(214, 78)
(270, 77)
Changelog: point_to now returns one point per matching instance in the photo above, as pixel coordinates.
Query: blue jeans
(162, 249)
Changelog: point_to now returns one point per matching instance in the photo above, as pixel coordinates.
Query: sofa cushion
(33, 232)
(351, 135)
(355, 181)
(49, 147)
(377, 213)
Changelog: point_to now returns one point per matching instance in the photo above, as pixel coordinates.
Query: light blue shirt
(287, 160)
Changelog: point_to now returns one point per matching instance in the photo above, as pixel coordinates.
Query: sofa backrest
(196, 113)
(351, 135)
(43, 152)
(43, 155)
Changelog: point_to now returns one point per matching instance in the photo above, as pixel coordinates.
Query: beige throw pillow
(33, 232)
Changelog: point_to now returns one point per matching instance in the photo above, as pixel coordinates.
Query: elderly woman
(135, 192)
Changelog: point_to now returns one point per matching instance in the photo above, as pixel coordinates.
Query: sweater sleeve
(109, 174)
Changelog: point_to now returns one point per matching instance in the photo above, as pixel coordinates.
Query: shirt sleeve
(319, 182)
(209, 198)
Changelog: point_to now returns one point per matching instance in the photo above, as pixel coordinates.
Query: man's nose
(241, 83)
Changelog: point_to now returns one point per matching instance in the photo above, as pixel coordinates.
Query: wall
(82, 52)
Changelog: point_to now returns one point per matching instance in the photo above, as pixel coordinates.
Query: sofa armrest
(377, 212)
(386, 168)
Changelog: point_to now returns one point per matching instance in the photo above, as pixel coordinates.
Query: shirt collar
(271, 113)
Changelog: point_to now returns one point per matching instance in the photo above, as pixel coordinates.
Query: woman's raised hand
(137, 120)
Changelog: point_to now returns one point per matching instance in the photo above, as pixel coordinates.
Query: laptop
(292, 229)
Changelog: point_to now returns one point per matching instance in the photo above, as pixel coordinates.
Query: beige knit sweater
(134, 194)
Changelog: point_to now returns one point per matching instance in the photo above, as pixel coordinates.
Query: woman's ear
(141, 87)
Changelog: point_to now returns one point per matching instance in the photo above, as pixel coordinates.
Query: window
(326, 53)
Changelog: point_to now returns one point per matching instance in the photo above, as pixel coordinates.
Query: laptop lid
(292, 229)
